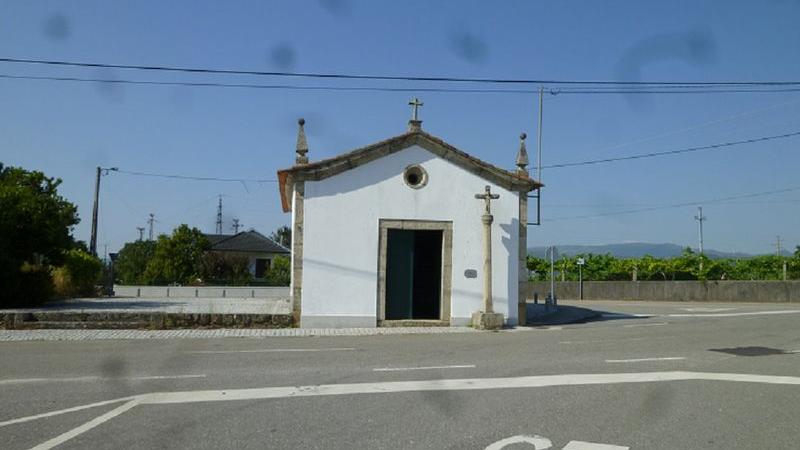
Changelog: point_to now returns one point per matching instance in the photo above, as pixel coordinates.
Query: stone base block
(487, 321)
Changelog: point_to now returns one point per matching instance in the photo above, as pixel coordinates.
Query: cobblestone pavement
(86, 335)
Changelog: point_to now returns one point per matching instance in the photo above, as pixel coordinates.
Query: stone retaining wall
(202, 291)
(689, 291)
(152, 321)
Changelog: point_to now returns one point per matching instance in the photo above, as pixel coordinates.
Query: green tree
(177, 258)
(79, 275)
(35, 226)
(132, 261)
(283, 236)
(279, 273)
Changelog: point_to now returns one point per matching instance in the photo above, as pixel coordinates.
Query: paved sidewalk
(87, 335)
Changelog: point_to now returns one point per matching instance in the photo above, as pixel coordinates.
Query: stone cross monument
(487, 319)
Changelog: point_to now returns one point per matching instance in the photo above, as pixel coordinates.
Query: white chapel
(406, 231)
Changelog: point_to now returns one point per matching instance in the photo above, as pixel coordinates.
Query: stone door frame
(446, 227)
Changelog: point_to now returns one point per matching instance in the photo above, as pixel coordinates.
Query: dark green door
(413, 274)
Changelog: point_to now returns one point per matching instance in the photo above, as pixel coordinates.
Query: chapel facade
(393, 234)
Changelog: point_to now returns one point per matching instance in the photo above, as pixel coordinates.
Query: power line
(195, 178)
(673, 152)
(662, 90)
(387, 77)
(676, 205)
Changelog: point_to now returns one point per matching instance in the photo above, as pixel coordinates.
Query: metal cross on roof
(415, 103)
(487, 196)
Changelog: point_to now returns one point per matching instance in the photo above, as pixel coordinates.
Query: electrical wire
(672, 152)
(385, 77)
(291, 87)
(196, 178)
(675, 205)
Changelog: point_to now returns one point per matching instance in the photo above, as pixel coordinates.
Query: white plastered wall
(340, 237)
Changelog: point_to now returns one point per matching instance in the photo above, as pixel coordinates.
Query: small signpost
(581, 262)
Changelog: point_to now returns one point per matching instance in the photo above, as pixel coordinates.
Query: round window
(415, 176)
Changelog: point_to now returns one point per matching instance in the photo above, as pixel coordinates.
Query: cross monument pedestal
(487, 319)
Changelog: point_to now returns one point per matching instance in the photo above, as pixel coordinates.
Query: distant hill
(632, 250)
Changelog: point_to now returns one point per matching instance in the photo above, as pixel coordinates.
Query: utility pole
(141, 232)
(700, 218)
(539, 136)
(778, 245)
(150, 222)
(219, 215)
(236, 225)
(93, 239)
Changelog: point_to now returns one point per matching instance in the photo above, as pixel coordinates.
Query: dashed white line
(603, 341)
(580, 445)
(668, 358)
(752, 313)
(274, 350)
(403, 369)
(637, 325)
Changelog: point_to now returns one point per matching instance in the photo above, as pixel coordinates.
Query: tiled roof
(325, 168)
(245, 241)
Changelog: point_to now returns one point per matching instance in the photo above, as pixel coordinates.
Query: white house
(391, 233)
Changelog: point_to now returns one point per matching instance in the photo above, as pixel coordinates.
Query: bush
(279, 273)
(218, 268)
(79, 274)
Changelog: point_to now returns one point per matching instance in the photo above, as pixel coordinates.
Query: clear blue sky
(66, 129)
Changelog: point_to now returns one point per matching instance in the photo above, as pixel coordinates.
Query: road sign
(581, 261)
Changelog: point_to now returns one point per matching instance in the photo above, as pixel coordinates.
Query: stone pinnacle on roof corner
(302, 144)
(522, 156)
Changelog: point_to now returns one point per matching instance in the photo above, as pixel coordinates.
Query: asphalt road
(647, 376)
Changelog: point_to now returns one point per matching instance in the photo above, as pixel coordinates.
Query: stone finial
(522, 156)
(302, 145)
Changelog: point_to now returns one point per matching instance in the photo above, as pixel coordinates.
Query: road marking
(668, 358)
(601, 341)
(636, 325)
(402, 369)
(65, 411)
(538, 442)
(275, 350)
(95, 378)
(753, 313)
(166, 398)
(706, 309)
(466, 384)
(60, 439)
(580, 445)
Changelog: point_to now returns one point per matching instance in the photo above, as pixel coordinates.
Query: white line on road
(403, 369)
(95, 378)
(165, 398)
(580, 445)
(637, 325)
(753, 313)
(274, 350)
(668, 358)
(455, 385)
(603, 341)
(64, 411)
(60, 439)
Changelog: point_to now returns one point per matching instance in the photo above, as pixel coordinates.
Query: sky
(67, 129)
